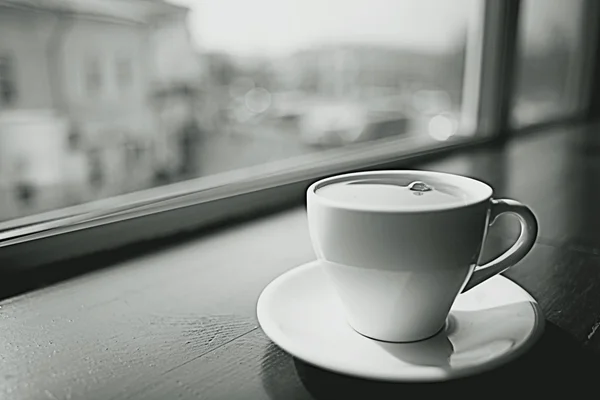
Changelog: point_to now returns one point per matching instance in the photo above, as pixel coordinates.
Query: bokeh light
(442, 127)
(258, 100)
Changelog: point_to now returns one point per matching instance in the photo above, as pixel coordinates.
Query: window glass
(220, 85)
(550, 42)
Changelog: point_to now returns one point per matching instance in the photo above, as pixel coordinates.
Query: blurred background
(104, 97)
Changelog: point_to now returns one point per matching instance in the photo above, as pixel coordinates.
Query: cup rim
(482, 192)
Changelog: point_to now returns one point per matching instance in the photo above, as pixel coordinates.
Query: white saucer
(488, 326)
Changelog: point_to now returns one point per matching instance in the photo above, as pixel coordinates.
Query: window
(93, 77)
(264, 89)
(237, 111)
(550, 51)
(8, 90)
(124, 73)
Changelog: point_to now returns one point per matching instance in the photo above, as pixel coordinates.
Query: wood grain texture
(180, 322)
(253, 368)
(106, 333)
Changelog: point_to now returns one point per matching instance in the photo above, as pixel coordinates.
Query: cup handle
(526, 240)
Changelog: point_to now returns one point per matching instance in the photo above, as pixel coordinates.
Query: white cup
(398, 269)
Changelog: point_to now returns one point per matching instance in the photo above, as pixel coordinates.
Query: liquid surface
(382, 193)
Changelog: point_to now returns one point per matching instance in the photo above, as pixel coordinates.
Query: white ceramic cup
(397, 270)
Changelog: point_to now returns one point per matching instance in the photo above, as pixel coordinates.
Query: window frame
(200, 203)
(582, 90)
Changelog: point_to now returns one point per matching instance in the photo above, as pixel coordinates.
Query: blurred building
(369, 70)
(88, 69)
(395, 89)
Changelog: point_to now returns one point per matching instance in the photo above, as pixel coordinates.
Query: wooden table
(180, 323)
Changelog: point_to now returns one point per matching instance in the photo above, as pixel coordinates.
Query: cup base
(444, 327)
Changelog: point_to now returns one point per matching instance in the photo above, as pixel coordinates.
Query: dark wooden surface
(180, 323)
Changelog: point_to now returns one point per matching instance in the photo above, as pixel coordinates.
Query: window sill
(198, 203)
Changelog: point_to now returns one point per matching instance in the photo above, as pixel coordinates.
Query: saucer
(488, 326)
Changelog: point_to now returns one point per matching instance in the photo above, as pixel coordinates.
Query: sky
(277, 27)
